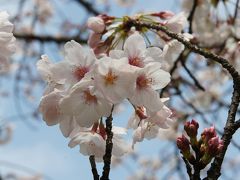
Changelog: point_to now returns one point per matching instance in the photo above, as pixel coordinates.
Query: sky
(43, 150)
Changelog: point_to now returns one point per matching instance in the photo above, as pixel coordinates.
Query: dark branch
(235, 12)
(94, 169)
(108, 152)
(192, 76)
(56, 39)
(88, 6)
(191, 15)
(188, 167)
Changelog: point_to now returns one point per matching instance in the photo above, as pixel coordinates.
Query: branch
(214, 171)
(108, 152)
(188, 167)
(56, 39)
(208, 55)
(235, 12)
(183, 56)
(191, 15)
(94, 169)
(192, 76)
(89, 7)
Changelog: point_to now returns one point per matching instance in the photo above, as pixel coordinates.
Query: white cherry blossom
(136, 52)
(84, 104)
(115, 79)
(90, 144)
(149, 79)
(93, 141)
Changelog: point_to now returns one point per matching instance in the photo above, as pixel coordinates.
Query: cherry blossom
(84, 104)
(115, 79)
(136, 51)
(84, 89)
(149, 79)
(92, 141)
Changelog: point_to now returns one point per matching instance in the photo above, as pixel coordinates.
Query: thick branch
(229, 130)
(56, 39)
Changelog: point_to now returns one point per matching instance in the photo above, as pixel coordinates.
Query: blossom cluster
(206, 148)
(90, 83)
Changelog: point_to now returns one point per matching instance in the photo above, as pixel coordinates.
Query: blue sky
(44, 150)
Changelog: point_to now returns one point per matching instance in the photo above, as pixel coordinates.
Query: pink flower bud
(96, 24)
(215, 146)
(191, 128)
(208, 133)
(94, 39)
(183, 144)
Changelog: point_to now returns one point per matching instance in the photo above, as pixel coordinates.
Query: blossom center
(110, 78)
(143, 82)
(80, 72)
(135, 61)
(89, 98)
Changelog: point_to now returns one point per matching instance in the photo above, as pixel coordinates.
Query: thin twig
(235, 12)
(192, 76)
(94, 168)
(88, 6)
(41, 38)
(191, 15)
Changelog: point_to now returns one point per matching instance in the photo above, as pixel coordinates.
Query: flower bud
(191, 128)
(208, 133)
(183, 144)
(94, 39)
(96, 24)
(215, 146)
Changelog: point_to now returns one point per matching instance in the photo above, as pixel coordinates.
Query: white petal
(117, 54)
(147, 98)
(134, 45)
(67, 125)
(49, 107)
